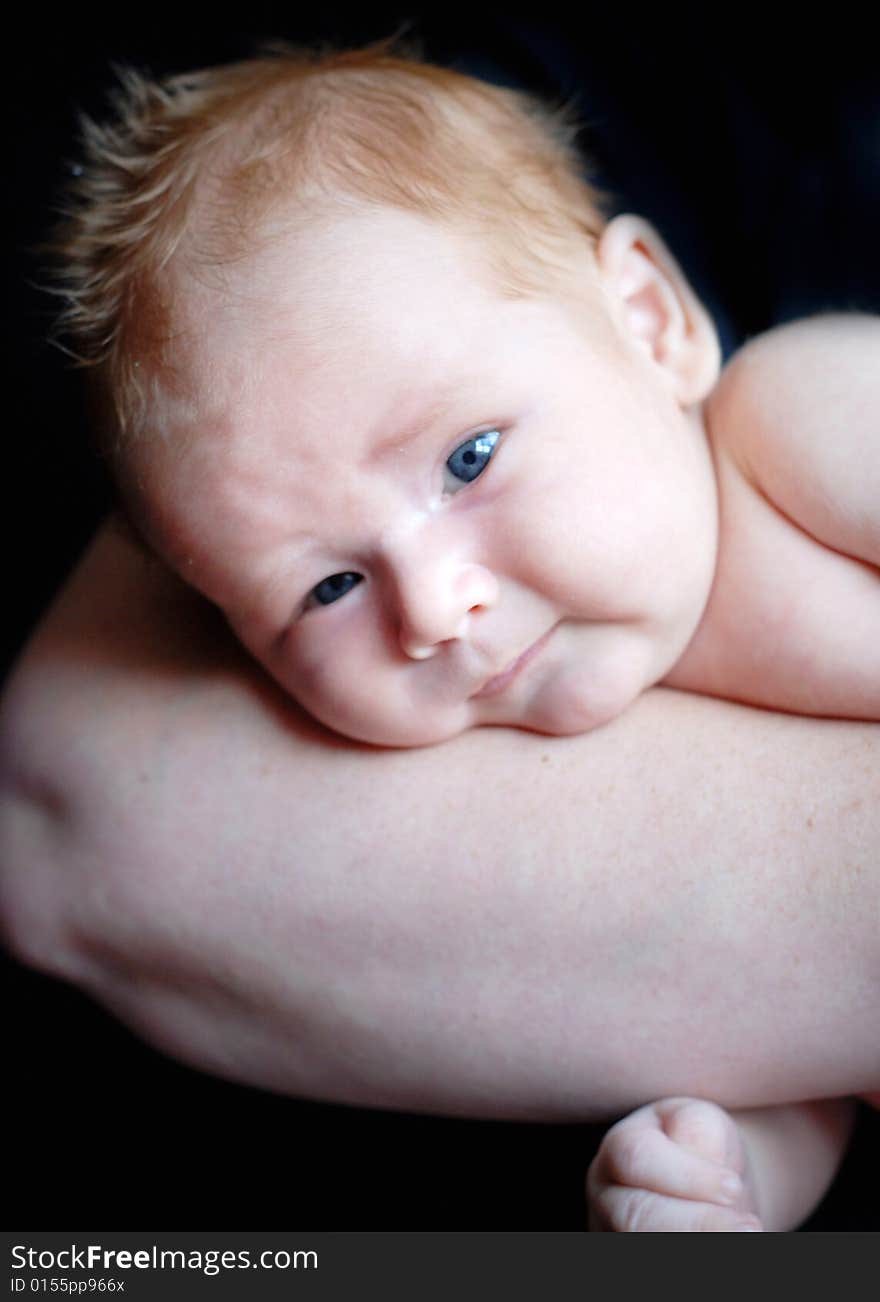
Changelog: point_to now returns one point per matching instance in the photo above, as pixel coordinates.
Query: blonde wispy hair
(209, 155)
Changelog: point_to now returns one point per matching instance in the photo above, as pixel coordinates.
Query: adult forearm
(682, 902)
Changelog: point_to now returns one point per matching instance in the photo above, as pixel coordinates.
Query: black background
(757, 153)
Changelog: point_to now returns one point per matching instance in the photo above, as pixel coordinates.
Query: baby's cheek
(355, 688)
(335, 689)
(314, 676)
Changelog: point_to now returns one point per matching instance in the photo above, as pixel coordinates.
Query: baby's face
(425, 507)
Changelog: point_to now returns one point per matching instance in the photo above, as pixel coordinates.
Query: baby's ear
(656, 307)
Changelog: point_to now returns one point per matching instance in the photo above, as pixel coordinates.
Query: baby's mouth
(501, 681)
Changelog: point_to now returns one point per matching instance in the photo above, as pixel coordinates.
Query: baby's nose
(436, 606)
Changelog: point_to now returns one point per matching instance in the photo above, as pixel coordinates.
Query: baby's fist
(676, 1165)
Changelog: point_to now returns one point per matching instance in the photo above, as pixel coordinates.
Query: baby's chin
(551, 722)
(568, 703)
(397, 734)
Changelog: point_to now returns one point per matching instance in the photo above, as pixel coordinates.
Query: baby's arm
(793, 619)
(688, 1165)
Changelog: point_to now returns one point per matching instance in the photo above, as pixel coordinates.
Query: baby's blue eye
(330, 590)
(470, 459)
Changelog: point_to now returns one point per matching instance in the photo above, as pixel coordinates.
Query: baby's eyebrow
(271, 587)
(409, 429)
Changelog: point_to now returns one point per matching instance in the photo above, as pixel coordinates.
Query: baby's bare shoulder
(794, 617)
(822, 368)
(797, 410)
(827, 330)
(838, 336)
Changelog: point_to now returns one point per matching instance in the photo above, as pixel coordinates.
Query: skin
(315, 454)
(792, 621)
(687, 1165)
(272, 904)
(366, 492)
(317, 433)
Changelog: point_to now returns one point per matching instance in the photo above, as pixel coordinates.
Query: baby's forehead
(351, 324)
(324, 263)
(338, 299)
(332, 252)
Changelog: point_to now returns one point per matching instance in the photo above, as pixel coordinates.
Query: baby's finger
(703, 1128)
(638, 1211)
(643, 1157)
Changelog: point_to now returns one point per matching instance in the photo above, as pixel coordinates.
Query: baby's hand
(679, 1164)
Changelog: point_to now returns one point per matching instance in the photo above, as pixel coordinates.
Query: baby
(447, 448)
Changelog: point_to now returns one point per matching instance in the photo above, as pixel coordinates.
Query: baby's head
(385, 386)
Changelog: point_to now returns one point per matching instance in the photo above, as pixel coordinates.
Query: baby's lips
(495, 685)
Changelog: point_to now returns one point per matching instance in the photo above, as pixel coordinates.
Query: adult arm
(685, 901)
